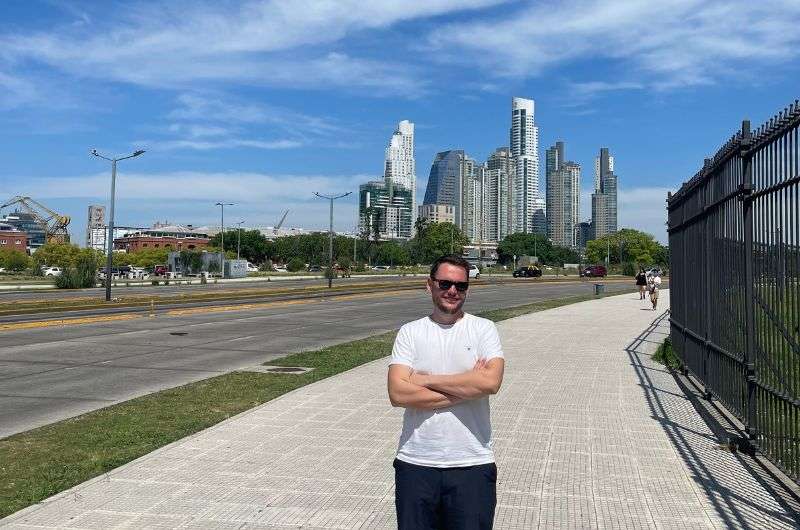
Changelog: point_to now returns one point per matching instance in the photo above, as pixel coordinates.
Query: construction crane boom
(280, 223)
(54, 224)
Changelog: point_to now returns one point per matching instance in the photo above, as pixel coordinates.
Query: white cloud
(667, 44)
(272, 43)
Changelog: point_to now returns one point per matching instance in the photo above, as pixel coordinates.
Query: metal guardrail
(734, 237)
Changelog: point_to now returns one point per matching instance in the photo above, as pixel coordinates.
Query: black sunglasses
(445, 285)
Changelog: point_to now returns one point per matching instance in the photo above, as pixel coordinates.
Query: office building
(446, 181)
(604, 199)
(528, 204)
(400, 165)
(563, 197)
(384, 210)
(174, 237)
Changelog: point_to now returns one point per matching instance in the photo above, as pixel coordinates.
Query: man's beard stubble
(447, 309)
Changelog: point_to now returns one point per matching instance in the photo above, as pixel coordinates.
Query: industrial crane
(53, 223)
(280, 223)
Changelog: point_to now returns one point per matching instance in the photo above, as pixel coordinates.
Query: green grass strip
(39, 463)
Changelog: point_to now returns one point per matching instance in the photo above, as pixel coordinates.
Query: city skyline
(280, 106)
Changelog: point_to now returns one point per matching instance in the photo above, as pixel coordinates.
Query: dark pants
(458, 498)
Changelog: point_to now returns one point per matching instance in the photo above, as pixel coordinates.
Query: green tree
(254, 246)
(628, 245)
(14, 260)
(80, 274)
(56, 255)
(391, 253)
(436, 240)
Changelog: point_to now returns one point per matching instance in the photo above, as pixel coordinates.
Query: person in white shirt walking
(443, 369)
(654, 284)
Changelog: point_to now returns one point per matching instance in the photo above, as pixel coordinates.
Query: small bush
(295, 265)
(80, 276)
(666, 355)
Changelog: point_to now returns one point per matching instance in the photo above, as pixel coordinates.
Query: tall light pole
(330, 233)
(239, 239)
(222, 206)
(110, 238)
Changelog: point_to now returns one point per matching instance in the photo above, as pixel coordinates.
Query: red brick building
(13, 239)
(174, 237)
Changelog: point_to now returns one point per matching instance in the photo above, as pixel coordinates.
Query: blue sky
(262, 103)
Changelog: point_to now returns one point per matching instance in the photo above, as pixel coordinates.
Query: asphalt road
(53, 373)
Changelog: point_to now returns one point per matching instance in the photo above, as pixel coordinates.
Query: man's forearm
(468, 385)
(418, 397)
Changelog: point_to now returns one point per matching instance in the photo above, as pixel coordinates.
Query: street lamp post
(222, 206)
(239, 239)
(110, 238)
(330, 233)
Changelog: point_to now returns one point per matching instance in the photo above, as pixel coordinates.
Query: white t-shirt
(455, 436)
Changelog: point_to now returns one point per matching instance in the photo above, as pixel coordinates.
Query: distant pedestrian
(641, 282)
(443, 369)
(653, 286)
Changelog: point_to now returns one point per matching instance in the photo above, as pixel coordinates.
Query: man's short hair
(452, 259)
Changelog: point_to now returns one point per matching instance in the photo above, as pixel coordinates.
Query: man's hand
(484, 379)
(405, 392)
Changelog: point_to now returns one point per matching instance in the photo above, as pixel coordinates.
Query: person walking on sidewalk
(653, 286)
(443, 369)
(641, 282)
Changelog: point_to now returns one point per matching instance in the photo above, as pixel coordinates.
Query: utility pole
(110, 237)
(222, 206)
(239, 239)
(330, 233)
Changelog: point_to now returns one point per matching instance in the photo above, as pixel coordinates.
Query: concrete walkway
(589, 433)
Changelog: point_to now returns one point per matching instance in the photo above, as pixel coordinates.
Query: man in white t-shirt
(443, 369)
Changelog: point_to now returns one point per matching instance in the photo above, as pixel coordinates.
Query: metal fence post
(707, 309)
(750, 324)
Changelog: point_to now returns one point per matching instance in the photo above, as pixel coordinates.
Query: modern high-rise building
(528, 204)
(563, 197)
(500, 176)
(584, 233)
(604, 199)
(474, 207)
(446, 180)
(597, 170)
(400, 165)
(384, 209)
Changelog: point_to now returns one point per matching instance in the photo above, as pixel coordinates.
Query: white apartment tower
(528, 203)
(400, 166)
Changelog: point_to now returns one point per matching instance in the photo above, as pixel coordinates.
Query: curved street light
(110, 238)
(330, 233)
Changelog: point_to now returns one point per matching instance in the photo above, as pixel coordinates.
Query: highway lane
(54, 373)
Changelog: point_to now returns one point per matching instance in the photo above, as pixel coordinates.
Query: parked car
(529, 271)
(2, 270)
(160, 270)
(380, 268)
(655, 271)
(594, 271)
(52, 271)
(251, 267)
(474, 271)
(280, 268)
(314, 268)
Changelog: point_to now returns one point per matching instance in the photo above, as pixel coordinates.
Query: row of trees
(431, 241)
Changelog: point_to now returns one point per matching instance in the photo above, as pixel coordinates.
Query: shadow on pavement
(743, 492)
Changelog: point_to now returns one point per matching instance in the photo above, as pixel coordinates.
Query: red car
(160, 270)
(594, 271)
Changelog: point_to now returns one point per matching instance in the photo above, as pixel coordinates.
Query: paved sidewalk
(589, 433)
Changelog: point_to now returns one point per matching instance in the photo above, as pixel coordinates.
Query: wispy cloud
(271, 43)
(665, 44)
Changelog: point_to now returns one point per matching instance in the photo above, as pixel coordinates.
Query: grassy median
(42, 462)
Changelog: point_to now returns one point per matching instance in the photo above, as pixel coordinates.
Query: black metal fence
(734, 236)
